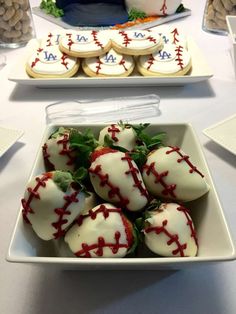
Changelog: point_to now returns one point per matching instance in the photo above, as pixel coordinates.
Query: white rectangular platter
(200, 72)
(215, 242)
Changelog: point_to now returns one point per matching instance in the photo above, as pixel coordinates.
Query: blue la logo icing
(164, 55)
(48, 56)
(81, 38)
(110, 59)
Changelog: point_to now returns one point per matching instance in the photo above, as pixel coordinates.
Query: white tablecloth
(207, 289)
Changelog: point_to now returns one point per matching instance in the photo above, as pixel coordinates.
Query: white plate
(7, 138)
(200, 72)
(215, 241)
(224, 133)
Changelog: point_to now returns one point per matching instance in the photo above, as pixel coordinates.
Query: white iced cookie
(57, 153)
(172, 60)
(116, 179)
(121, 135)
(170, 174)
(50, 62)
(101, 232)
(157, 7)
(136, 42)
(169, 231)
(85, 43)
(172, 35)
(51, 203)
(52, 38)
(110, 64)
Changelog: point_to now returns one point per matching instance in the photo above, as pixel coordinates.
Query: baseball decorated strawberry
(169, 231)
(116, 178)
(51, 203)
(102, 231)
(68, 148)
(169, 173)
(122, 135)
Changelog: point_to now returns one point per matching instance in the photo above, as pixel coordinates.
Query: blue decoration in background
(93, 12)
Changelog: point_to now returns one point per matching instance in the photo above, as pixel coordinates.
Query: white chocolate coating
(170, 60)
(168, 175)
(95, 236)
(110, 64)
(157, 7)
(50, 61)
(53, 149)
(120, 178)
(51, 197)
(124, 137)
(170, 231)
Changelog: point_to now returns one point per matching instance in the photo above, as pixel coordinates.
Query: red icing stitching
(101, 244)
(113, 129)
(184, 158)
(33, 64)
(179, 59)
(168, 189)
(46, 156)
(98, 66)
(175, 34)
(66, 151)
(127, 40)
(173, 238)
(49, 40)
(61, 212)
(70, 41)
(189, 223)
(33, 193)
(134, 173)
(152, 39)
(122, 62)
(63, 58)
(164, 8)
(104, 181)
(97, 42)
(93, 214)
(150, 62)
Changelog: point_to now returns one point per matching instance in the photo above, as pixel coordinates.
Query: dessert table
(208, 288)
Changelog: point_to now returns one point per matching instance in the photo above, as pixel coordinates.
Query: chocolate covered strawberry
(122, 135)
(169, 173)
(169, 231)
(68, 149)
(102, 231)
(51, 203)
(116, 178)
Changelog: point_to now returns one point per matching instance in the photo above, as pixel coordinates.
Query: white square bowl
(231, 25)
(215, 241)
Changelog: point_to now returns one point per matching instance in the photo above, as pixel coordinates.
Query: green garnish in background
(135, 14)
(50, 8)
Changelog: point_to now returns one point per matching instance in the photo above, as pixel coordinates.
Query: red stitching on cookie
(33, 64)
(97, 42)
(63, 58)
(152, 39)
(168, 188)
(127, 40)
(70, 41)
(150, 62)
(179, 59)
(175, 34)
(98, 66)
(184, 158)
(122, 62)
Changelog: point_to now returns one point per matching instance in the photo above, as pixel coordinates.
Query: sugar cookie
(85, 44)
(110, 64)
(172, 60)
(51, 62)
(172, 35)
(136, 42)
(52, 38)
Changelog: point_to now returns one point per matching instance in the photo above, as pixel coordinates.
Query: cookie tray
(200, 72)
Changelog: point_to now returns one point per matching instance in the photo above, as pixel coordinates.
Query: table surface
(203, 289)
